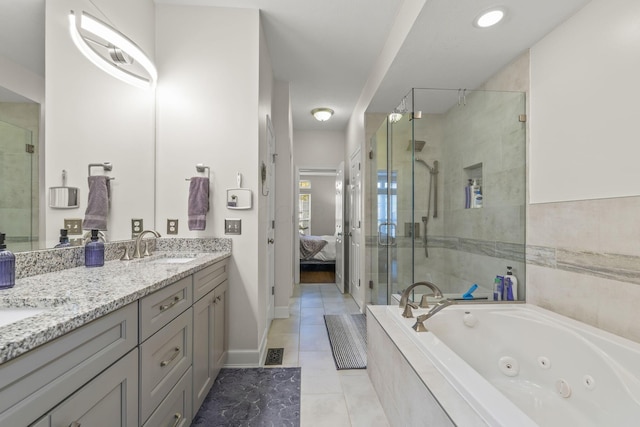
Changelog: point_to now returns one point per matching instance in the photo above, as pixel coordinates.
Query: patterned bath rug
(348, 338)
(252, 397)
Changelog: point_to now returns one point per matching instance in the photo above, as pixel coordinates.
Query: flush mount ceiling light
(111, 51)
(489, 18)
(322, 114)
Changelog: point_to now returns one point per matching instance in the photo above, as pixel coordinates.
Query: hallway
(329, 397)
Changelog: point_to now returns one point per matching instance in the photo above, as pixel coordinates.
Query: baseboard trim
(281, 312)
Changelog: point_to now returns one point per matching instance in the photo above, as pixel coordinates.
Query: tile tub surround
(409, 386)
(43, 261)
(76, 296)
(583, 261)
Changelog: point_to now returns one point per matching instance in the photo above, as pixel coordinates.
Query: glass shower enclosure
(447, 193)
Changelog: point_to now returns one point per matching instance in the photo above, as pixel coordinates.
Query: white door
(271, 201)
(355, 223)
(339, 228)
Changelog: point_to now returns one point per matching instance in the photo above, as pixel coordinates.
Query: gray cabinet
(109, 400)
(209, 332)
(166, 347)
(175, 409)
(33, 384)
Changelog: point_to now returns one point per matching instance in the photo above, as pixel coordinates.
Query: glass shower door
(16, 191)
(392, 227)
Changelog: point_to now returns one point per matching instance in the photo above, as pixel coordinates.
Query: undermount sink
(173, 260)
(11, 315)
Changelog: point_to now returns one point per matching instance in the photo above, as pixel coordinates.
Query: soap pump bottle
(94, 251)
(7, 266)
(511, 284)
(64, 239)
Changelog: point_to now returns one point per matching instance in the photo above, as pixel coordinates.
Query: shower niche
(473, 189)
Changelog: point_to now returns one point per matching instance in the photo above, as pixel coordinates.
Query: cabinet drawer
(207, 279)
(159, 308)
(175, 409)
(164, 358)
(35, 382)
(110, 400)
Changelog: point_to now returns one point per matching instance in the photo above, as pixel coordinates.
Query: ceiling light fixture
(489, 18)
(88, 31)
(322, 114)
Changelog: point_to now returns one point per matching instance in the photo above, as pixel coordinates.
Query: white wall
(212, 108)
(21, 81)
(583, 255)
(95, 118)
(318, 149)
(584, 86)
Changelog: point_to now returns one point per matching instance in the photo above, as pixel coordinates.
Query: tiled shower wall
(19, 213)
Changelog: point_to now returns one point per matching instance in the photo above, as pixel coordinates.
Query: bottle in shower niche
(94, 251)
(511, 285)
(467, 194)
(7, 266)
(476, 194)
(64, 239)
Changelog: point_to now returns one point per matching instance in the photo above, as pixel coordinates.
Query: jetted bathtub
(520, 365)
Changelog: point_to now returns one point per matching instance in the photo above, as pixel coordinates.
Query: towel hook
(107, 166)
(201, 168)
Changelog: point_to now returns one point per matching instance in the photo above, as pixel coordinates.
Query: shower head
(432, 169)
(419, 145)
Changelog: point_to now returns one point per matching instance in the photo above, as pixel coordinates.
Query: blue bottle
(7, 266)
(64, 239)
(94, 251)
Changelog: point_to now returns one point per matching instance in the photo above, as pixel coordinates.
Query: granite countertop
(73, 297)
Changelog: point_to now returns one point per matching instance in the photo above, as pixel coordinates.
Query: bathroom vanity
(135, 343)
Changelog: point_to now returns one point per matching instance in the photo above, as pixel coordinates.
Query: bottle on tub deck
(511, 285)
(7, 266)
(94, 251)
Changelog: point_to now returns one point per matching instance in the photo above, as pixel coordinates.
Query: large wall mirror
(91, 118)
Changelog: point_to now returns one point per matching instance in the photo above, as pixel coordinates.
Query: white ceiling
(326, 49)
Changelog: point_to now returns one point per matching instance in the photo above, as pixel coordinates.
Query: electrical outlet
(74, 226)
(172, 226)
(136, 227)
(232, 226)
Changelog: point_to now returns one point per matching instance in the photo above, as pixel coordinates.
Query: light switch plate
(232, 226)
(74, 226)
(136, 227)
(172, 226)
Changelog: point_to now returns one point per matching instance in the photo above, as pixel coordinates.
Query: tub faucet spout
(419, 325)
(404, 298)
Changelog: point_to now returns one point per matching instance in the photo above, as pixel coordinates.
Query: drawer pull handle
(163, 307)
(178, 417)
(176, 352)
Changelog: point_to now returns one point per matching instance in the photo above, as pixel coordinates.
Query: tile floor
(329, 397)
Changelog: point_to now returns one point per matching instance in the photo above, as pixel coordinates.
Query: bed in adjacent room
(317, 258)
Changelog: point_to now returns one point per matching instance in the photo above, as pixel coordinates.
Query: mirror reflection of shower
(432, 192)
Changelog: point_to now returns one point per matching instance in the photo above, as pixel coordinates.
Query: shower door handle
(389, 240)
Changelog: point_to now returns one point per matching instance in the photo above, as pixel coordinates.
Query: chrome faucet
(419, 325)
(406, 304)
(137, 253)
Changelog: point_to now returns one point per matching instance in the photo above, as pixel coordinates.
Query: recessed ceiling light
(322, 114)
(489, 18)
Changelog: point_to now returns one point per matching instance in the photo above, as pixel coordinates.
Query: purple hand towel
(198, 203)
(95, 217)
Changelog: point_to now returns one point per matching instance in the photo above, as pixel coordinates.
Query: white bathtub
(520, 365)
